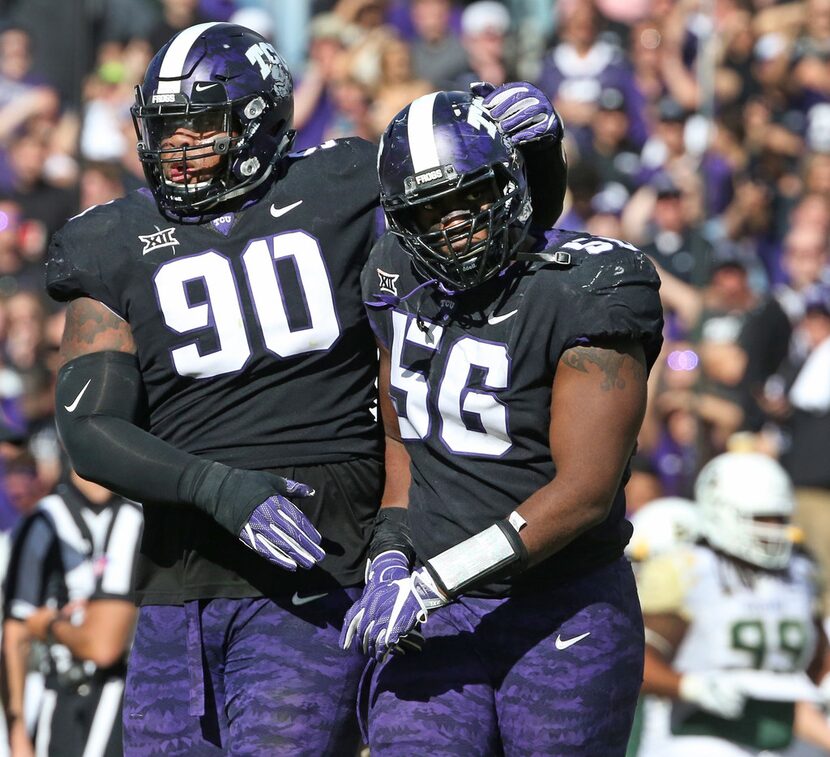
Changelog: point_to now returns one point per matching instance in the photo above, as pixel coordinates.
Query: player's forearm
(13, 666)
(558, 513)
(811, 725)
(398, 475)
(100, 642)
(659, 678)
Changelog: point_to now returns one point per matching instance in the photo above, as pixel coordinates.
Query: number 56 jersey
(471, 377)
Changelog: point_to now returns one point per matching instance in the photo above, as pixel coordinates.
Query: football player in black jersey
(217, 352)
(514, 360)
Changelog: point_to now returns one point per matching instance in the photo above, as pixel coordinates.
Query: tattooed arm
(93, 327)
(101, 412)
(597, 405)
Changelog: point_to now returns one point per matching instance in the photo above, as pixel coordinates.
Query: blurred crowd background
(699, 130)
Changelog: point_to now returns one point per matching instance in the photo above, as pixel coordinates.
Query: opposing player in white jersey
(661, 526)
(732, 635)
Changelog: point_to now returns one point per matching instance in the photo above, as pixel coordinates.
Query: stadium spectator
(797, 397)
(397, 85)
(13, 448)
(643, 485)
(176, 15)
(608, 148)
(805, 261)
(473, 482)
(314, 106)
(437, 54)
(23, 95)
(40, 200)
(485, 25)
(68, 586)
(581, 65)
(100, 182)
(666, 215)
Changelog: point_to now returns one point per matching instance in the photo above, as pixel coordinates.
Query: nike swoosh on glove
(522, 111)
(278, 531)
(386, 619)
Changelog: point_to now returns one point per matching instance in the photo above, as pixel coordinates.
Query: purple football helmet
(444, 155)
(213, 77)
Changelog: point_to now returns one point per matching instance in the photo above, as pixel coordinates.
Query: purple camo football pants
(554, 674)
(242, 677)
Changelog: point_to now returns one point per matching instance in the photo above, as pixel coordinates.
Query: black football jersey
(252, 341)
(471, 378)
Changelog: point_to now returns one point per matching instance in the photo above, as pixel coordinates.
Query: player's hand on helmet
(394, 603)
(522, 111)
(278, 531)
(716, 692)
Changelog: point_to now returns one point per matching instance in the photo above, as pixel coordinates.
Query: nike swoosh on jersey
(71, 408)
(277, 212)
(561, 643)
(297, 600)
(494, 319)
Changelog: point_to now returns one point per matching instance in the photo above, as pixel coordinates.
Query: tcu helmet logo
(476, 119)
(265, 56)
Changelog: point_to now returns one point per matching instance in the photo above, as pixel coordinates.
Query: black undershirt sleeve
(547, 177)
(101, 407)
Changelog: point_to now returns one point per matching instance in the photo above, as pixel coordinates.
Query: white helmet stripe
(172, 65)
(419, 131)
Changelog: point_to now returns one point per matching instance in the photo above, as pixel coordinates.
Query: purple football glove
(522, 111)
(393, 604)
(278, 531)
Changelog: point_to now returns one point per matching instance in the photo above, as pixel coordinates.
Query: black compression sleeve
(547, 178)
(101, 406)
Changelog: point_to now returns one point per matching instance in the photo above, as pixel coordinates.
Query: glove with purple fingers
(522, 111)
(278, 531)
(252, 505)
(393, 604)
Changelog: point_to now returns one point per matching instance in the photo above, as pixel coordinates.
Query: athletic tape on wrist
(480, 557)
(391, 533)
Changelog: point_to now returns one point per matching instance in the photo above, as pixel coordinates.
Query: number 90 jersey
(251, 337)
(471, 379)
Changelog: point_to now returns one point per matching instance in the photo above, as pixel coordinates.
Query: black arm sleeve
(547, 178)
(100, 407)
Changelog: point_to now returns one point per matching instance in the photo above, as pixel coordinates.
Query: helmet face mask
(746, 502)
(462, 214)
(213, 117)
